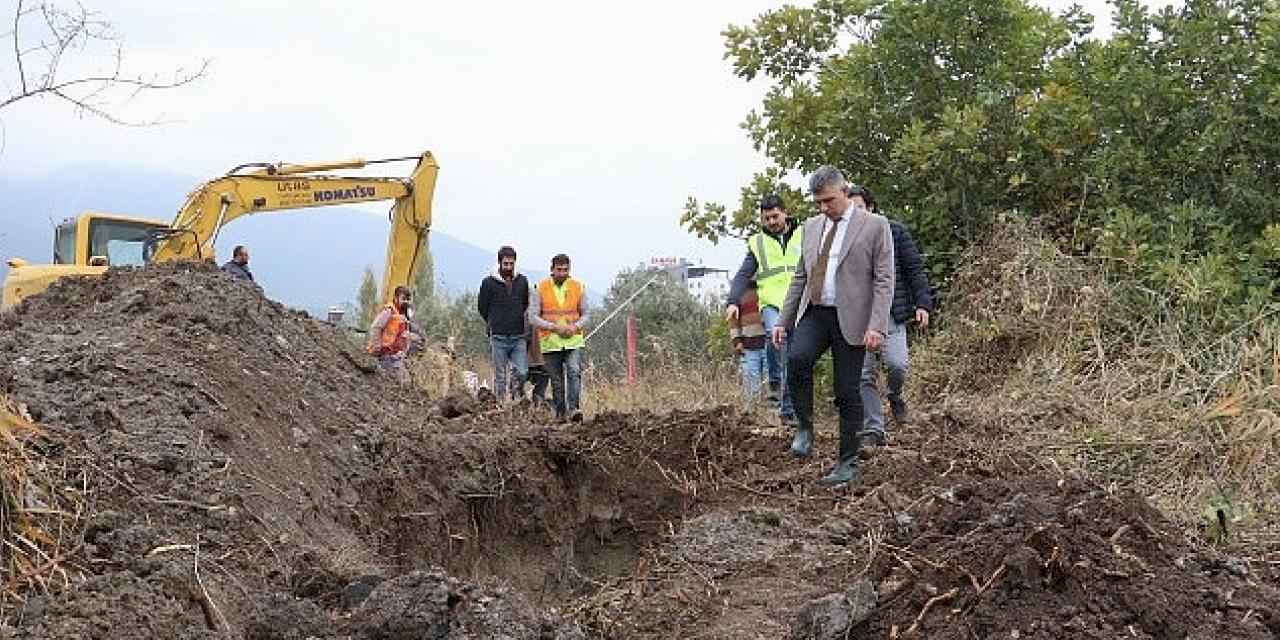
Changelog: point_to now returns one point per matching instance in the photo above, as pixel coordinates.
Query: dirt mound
(226, 466)
(200, 424)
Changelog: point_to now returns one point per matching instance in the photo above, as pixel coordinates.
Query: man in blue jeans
(747, 333)
(503, 302)
(912, 301)
(772, 255)
(558, 310)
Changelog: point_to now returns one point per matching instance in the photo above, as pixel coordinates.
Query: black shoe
(844, 472)
(576, 416)
(802, 443)
(872, 438)
(899, 408)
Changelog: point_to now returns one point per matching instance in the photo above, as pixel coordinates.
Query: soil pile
(228, 467)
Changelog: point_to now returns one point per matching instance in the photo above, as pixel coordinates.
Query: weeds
(1099, 370)
(39, 513)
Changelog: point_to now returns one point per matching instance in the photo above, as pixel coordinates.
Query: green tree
(368, 299)
(913, 97)
(1157, 147)
(424, 282)
(673, 325)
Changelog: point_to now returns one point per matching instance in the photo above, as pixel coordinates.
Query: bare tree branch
(17, 53)
(63, 32)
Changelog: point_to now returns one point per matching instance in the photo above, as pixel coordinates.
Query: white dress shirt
(833, 258)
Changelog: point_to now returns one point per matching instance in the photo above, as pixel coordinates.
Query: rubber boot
(850, 445)
(802, 443)
(844, 472)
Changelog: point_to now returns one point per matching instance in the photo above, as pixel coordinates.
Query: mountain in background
(308, 259)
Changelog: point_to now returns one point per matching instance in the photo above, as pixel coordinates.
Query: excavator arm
(83, 246)
(282, 187)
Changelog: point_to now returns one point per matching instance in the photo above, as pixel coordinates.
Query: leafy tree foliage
(367, 299)
(424, 282)
(1157, 148)
(673, 325)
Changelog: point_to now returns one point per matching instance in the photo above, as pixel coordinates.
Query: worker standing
(503, 302)
(772, 256)
(558, 310)
(389, 335)
(746, 330)
(238, 266)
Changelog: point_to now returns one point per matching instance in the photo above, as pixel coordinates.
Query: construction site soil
(242, 470)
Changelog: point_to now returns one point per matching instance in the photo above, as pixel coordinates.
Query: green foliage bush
(1158, 149)
(673, 327)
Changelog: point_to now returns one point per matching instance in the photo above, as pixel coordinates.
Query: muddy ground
(237, 469)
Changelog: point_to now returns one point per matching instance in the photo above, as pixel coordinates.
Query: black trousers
(539, 377)
(818, 331)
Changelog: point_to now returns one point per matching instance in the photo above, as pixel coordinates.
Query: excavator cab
(109, 240)
(84, 245)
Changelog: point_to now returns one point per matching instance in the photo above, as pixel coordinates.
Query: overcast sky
(568, 126)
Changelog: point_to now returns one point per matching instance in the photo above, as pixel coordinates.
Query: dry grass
(439, 371)
(1056, 348)
(39, 513)
(664, 388)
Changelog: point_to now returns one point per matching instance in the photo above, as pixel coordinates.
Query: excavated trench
(549, 511)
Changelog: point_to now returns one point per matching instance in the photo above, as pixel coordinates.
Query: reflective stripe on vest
(775, 266)
(559, 305)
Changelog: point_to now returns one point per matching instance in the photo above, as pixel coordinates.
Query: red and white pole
(632, 368)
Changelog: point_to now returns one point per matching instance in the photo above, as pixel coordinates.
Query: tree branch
(17, 53)
(79, 29)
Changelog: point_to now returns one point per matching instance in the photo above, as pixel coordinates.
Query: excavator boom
(268, 188)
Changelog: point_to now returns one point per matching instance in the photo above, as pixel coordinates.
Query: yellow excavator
(93, 241)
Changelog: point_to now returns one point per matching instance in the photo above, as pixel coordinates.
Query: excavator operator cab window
(120, 242)
(64, 243)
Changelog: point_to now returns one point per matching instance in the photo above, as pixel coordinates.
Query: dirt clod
(831, 617)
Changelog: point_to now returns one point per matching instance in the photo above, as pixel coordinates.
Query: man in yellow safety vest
(558, 311)
(772, 255)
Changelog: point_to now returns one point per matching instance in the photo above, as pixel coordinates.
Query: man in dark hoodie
(503, 302)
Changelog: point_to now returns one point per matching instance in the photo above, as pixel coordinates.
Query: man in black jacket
(503, 302)
(238, 266)
(912, 301)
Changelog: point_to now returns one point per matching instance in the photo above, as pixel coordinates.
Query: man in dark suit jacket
(839, 300)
